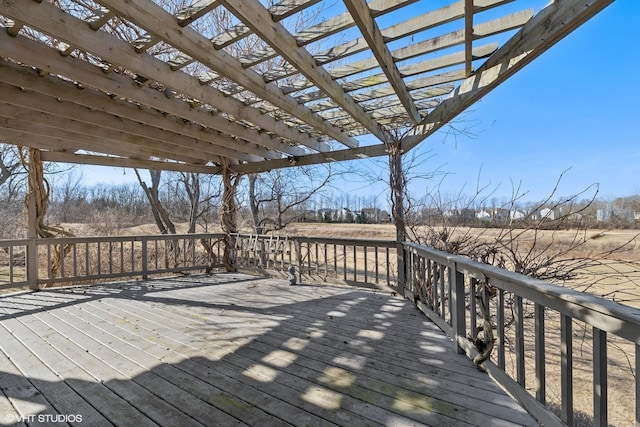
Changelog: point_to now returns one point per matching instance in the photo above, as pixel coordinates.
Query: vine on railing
(518, 342)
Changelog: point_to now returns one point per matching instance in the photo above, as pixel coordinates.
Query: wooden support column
(397, 185)
(32, 246)
(228, 218)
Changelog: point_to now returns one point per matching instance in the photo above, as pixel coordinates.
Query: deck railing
(542, 333)
(13, 263)
(539, 331)
(99, 258)
(362, 261)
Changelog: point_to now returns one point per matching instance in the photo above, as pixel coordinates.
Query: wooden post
(32, 246)
(397, 184)
(228, 218)
(458, 314)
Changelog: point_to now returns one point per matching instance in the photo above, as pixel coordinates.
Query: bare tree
(282, 196)
(160, 215)
(12, 192)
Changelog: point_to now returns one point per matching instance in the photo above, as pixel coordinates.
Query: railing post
(402, 268)
(32, 245)
(458, 308)
(145, 274)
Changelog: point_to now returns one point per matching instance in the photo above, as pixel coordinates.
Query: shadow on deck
(235, 350)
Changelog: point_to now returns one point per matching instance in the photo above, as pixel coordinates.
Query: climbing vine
(39, 190)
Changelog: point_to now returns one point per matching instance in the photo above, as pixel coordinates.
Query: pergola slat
(371, 33)
(150, 16)
(81, 71)
(253, 14)
(107, 47)
(166, 85)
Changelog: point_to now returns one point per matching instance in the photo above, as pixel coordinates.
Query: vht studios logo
(45, 418)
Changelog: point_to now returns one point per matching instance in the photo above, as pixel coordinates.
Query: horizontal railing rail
(537, 325)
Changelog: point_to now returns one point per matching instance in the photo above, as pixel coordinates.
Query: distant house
(547, 214)
(375, 215)
(517, 215)
(483, 215)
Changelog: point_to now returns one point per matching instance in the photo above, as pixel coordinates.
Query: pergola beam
(371, 33)
(152, 17)
(257, 17)
(81, 71)
(69, 115)
(176, 131)
(46, 125)
(47, 17)
(122, 162)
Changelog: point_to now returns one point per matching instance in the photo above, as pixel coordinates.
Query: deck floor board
(233, 350)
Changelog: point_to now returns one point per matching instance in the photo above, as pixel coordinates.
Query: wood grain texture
(230, 349)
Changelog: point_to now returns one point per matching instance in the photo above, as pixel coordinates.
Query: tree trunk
(192, 187)
(253, 203)
(38, 201)
(160, 215)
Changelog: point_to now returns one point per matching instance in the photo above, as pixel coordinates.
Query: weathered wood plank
(284, 382)
(254, 352)
(282, 402)
(31, 357)
(283, 335)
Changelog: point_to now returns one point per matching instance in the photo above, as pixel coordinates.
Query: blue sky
(575, 109)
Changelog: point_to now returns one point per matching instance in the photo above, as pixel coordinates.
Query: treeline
(277, 200)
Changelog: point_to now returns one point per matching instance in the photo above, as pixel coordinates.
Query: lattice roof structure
(191, 85)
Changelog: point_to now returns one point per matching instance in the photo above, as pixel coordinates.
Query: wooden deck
(230, 349)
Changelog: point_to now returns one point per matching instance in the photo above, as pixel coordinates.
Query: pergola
(204, 85)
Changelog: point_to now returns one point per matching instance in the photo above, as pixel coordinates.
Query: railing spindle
(473, 306)
(344, 261)
(500, 330)
(540, 350)
(377, 265)
(600, 378)
(566, 368)
(458, 313)
(519, 326)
